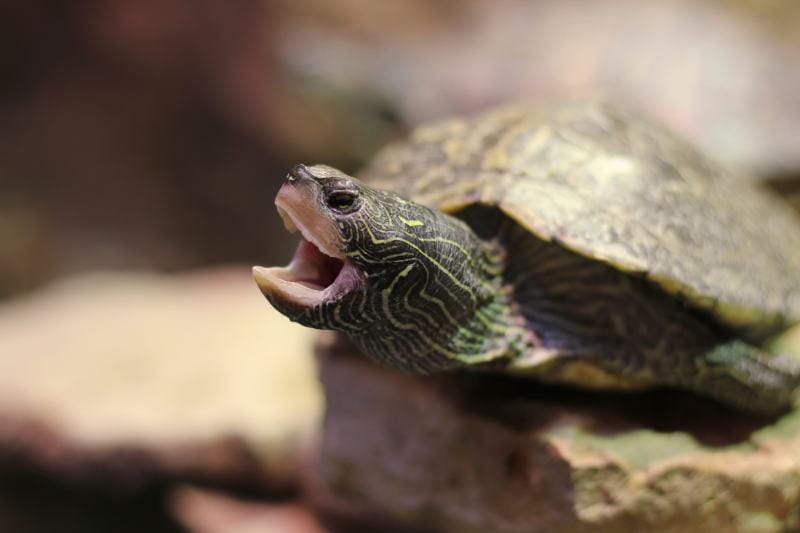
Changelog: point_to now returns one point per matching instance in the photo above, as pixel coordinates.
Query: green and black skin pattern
(476, 288)
(429, 285)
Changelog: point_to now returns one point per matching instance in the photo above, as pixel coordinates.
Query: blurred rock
(125, 379)
(782, 18)
(333, 107)
(478, 453)
(708, 70)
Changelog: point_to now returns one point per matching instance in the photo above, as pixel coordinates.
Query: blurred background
(146, 140)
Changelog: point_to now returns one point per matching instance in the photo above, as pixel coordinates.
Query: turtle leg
(747, 377)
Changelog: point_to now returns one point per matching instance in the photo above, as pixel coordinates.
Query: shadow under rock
(526, 405)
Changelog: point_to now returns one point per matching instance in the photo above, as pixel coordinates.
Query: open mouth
(319, 271)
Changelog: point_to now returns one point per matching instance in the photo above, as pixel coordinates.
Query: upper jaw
(298, 210)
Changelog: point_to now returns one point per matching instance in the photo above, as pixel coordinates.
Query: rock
(469, 453)
(122, 379)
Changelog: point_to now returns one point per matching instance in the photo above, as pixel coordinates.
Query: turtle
(580, 243)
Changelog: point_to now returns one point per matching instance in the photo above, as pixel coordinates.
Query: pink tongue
(312, 268)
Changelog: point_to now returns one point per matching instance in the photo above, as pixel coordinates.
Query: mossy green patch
(636, 448)
(642, 447)
(787, 427)
(787, 344)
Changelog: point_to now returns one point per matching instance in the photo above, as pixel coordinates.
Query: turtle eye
(343, 201)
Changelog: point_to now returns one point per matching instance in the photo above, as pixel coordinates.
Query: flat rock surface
(469, 453)
(121, 378)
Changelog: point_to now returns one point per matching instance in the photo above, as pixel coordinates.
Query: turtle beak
(319, 269)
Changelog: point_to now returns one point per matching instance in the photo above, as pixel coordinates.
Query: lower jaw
(304, 301)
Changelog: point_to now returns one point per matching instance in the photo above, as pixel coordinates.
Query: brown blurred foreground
(123, 384)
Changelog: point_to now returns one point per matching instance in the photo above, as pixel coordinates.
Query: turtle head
(407, 283)
(345, 249)
(325, 206)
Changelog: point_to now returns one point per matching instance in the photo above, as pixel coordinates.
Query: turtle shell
(615, 187)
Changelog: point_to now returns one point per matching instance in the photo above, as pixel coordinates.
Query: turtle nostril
(298, 172)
